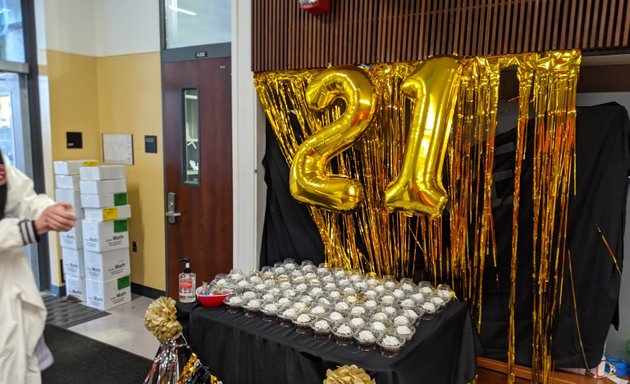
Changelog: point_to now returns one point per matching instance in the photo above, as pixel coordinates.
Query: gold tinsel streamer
(373, 240)
(348, 374)
(160, 319)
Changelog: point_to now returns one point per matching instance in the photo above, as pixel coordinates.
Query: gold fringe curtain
(373, 240)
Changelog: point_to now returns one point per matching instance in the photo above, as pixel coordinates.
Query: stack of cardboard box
(105, 235)
(67, 191)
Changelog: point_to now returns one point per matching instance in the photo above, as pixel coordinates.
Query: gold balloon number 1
(418, 189)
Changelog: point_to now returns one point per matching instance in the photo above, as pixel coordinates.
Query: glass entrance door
(15, 140)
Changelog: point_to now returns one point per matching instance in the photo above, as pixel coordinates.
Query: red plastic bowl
(211, 301)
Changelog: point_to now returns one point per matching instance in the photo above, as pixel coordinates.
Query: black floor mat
(79, 359)
(66, 312)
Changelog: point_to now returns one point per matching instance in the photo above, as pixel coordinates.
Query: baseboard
(146, 291)
(58, 291)
(493, 371)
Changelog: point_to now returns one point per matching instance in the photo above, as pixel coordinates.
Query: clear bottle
(187, 283)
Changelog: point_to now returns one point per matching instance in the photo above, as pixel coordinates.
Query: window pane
(191, 136)
(11, 31)
(197, 22)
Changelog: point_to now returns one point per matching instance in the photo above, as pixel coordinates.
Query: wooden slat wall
(373, 31)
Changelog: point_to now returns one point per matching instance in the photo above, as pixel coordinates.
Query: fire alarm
(316, 7)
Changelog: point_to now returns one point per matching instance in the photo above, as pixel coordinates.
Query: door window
(191, 151)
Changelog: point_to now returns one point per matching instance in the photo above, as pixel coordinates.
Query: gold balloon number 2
(418, 189)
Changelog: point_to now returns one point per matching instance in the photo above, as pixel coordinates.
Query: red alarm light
(316, 7)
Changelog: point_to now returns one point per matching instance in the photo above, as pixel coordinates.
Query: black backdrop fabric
(603, 161)
(289, 231)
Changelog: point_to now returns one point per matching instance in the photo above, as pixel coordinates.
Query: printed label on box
(107, 265)
(90, 163)
(121, 226)
(110, 214)
(124, 282)
(120, 199)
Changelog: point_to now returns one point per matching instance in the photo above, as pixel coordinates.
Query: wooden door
(198, 167)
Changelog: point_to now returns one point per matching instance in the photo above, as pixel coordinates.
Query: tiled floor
(123, 328)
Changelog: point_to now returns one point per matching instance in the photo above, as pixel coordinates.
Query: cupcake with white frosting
(234, 303)
(370, 305)
(429, 308)
(365, 338)
(380, 316)
(412, 315)
(318, 311)
(357, 323)
(342, 307)
(390, 344)
(324, 301)
(405, 332)
(401, 320)
(389, 311)
(357, 310)
(408, 304)
(336, 316)
(343, 333)
(287, 316)
(269, 311)
(378, 326)
(388, 300)
(398, 293)
(249, 295)
(253, 306)
(321, 329)
(284, 301)
(303, 323)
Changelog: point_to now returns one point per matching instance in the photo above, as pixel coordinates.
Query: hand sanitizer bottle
(187, 283)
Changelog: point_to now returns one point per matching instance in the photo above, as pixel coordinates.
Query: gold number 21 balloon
(310, 180)
(418, 188)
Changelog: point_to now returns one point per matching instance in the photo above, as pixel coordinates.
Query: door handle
(170, 213)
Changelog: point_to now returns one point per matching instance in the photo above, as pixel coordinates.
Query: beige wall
(130, 101)
(115, 94)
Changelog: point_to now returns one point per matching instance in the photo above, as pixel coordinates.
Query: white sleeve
(22, 207)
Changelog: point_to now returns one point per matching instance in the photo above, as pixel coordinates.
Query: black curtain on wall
(603, 161)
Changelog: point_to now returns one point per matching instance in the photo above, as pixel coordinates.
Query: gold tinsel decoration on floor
(348, 374)
(372, 239)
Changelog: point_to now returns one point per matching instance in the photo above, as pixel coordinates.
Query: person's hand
(58, 217)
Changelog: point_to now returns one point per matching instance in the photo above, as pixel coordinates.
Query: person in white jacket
(24, 217)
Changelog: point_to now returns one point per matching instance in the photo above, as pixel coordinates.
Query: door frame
(248, 135)
(170, 56)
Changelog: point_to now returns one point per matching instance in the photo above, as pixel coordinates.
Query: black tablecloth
(245, 350)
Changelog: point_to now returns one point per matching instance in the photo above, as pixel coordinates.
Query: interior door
(198, 167)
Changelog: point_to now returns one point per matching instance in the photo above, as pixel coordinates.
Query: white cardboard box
(67, 181)
(73, 262)
(73, 238)
(72, 197)
(75, 286)
(103, 236)
(104, 201)
(107, 265)
(71, 167)
(99, 187)
(106, 294)
(103, 172)
(107, 214)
